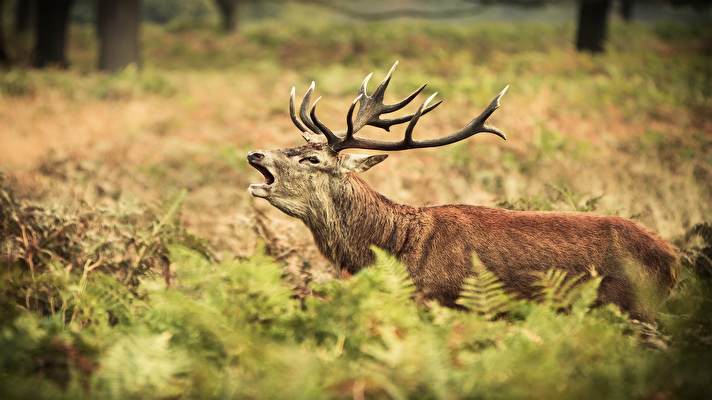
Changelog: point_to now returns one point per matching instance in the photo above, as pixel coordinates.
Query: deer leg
(622, 293)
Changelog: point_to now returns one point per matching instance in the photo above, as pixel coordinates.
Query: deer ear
(359, 162)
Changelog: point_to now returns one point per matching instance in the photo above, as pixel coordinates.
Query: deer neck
(352, 217)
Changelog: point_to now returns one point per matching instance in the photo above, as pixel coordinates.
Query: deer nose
(255, 156)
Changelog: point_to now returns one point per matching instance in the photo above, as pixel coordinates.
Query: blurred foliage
(126, 84)
(188, 327)
(170, 12)
(477, 59)
(184, 14)
(16, 83)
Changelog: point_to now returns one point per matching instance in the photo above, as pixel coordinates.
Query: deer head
(304, 178)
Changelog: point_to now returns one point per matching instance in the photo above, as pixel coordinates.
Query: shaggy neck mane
(350, 217)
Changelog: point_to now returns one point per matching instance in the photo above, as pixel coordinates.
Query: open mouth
(269, 178)
(262, 189)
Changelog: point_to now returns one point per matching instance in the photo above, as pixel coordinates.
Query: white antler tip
(364, 84)
(393, 68)
(312, 86)
(499, 96)
(293, 91)
(429, 99)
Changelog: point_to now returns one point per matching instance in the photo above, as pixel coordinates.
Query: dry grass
(626, 126)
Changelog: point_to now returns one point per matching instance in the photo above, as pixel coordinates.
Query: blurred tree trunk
(51, 27)
(627, 10)
(24, 13)
(592, 25)
(4, 56)
(118, 24)
(228, 14)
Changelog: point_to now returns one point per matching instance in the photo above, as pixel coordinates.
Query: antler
(370, 110)
(371, 107)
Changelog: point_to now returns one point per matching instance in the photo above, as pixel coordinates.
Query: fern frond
(143, 365)
(483, 293)
(586, 293)
(397, 280)
(106, 294)
(561, 290)
(557, 288)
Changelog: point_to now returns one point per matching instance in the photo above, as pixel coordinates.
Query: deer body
(437, 243)
(318, 184)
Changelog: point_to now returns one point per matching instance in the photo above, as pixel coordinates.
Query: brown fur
(436, 243)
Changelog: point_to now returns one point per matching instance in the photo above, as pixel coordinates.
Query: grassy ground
(625, 133)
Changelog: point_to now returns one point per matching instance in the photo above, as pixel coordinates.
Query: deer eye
(311, 159)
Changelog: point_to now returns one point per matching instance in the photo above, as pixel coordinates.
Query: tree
(627, 10)
(4, 57)
(51, 26)
(592, 25)
(24, 14)
(228, 14)
(118, 24)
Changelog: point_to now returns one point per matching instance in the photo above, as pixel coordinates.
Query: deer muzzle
(259, 161)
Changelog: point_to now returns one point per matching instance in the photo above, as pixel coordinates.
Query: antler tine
(397, 106)
(292, 112)
(303, 109)
(386, 124)
(408, 137)
(330, 136)
(349, 117)
(474, 127)
(364, 85)
(381, 89)
(494, 105)
(372, 107)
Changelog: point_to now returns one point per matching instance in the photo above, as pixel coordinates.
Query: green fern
(586, 294)
(483, 293)
(142, 366)
(563, 291)
(113, 301)
(556, 288)
(396, 280)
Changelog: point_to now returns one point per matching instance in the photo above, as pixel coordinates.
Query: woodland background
(136, 265)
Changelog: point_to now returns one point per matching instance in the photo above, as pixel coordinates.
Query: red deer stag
(318, 184)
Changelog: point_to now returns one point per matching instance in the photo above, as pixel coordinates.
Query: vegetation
(135, 265)
(87, 323)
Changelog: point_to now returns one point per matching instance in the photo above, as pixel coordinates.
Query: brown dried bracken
(125, 243)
